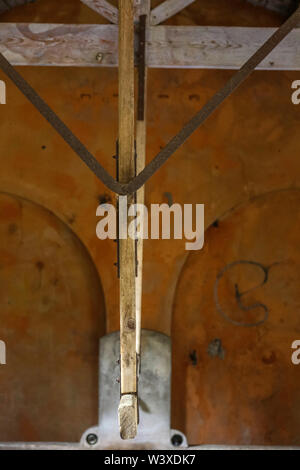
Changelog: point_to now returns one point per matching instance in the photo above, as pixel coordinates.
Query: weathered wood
(128, 405)
(168, 46)
(141, 161)
(59, 45)
(104, 8)
(126, 173)
(219, 47)
(128, 416)
(167, 9)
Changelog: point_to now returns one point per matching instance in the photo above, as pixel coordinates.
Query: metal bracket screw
(92, 439)
(176, 440)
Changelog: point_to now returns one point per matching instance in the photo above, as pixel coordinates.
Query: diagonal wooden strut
(167, 9)
(104, 8)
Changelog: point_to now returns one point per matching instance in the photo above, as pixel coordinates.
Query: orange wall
(249, 147)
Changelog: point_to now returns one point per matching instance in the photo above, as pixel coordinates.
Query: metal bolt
(177, 440)
(92, 439)
(99, 57)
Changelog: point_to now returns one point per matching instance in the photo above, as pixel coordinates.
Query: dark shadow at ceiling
(285, 7)
(6, 5)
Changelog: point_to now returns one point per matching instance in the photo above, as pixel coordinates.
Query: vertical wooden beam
(143, 13)
(128, 405)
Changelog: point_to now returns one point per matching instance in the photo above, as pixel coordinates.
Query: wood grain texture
(126, 173)
(167, 46)
(104, 8)
(218, 47)
(58, 44)
(141, 134)
(128, 416)
(141, 161)
(167, 9)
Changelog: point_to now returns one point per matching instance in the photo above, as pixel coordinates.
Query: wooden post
(128, 412)
(143, 12)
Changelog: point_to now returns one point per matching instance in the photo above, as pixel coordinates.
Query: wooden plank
(219, 47)
(141, 127)
(168, 46)
(59, 45)
(141, 154)
(104, 8)
(167, 9)
(127, 416)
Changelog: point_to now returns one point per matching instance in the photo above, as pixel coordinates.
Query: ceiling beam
(218, 47)
(167, 46)
(104, 8)
(167, 9)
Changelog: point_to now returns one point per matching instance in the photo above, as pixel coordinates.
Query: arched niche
(236, 315)
(52, 314)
